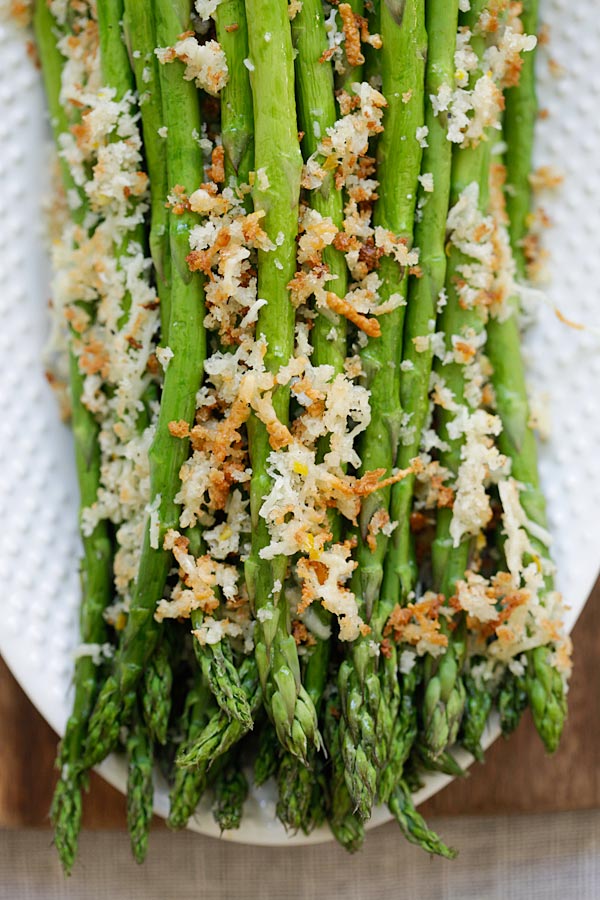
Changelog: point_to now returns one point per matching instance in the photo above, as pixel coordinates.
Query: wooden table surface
(516, 776)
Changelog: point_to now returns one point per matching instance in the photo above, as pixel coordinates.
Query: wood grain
(516, 776)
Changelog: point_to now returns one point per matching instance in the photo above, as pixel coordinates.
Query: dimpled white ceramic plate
(39, 591)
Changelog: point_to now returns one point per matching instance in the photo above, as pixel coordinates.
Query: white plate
(39, 546)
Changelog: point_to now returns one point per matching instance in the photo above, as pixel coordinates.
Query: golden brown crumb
(153, 366)
(326, 55)
(351, 35)
(370, 481)
(179, 429)
(201, 260)
(370, 255)
(301, 634)
(216, 171)
(385, 648)
(423, 616)
(341, 306)
(347, 102)
(233, 27)
(94, 359)
(178, 202)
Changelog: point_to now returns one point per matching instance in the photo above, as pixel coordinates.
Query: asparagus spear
(156, 693)
(222, 732)
(237, 135)
(231, 790)
(316, 113)
(444, 695)
(277, 151)
(478, 704)
(140, 787)
(413, 825)
(181, 382)
(295, 779)
(430, 236)
(96, 562)
(116, 69)
(403, 734)
(189, 784)
(423, 293)
(345, 824)
(237, 121)
(294, 788)
(512, 701)
(267, 754)
(543, 683)
(140, 35)
(370, 697)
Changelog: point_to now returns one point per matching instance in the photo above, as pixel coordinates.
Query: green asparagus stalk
(547, 697)
(156, 693)
(512, 701)
(116, 69)
(140, 787)
(237, 120)
(370, 699)
(478, 704)
(518, 130)
(442, 762)
(140, 35)
(96, 562)
(118, 74)
(316, 114)
(403, 735)
(267, 755)
(423, 293)
(295, 779)
(413, 825)
(345, 824)
(181, 382)
(189, 784)
(444, 695)
(231, 790)
(317, 815)
(545, 688)
(237, 135)
(221, 731)
(277, 151)
(294, 786)
(222, 675)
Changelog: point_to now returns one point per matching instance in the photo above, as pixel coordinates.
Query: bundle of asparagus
(288, 279)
